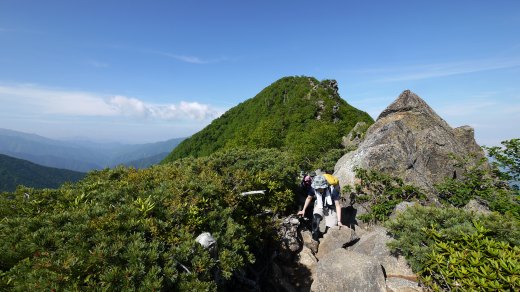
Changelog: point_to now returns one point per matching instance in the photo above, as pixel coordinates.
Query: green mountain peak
(297, 114)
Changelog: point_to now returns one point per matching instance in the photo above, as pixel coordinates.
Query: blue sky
(145, 71)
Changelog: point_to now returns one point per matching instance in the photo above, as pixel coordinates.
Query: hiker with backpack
(326, 206)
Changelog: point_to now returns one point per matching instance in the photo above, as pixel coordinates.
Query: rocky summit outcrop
(411, 141)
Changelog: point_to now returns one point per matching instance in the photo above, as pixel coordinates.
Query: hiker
(326, 206)
(305, 191)
(306, 184)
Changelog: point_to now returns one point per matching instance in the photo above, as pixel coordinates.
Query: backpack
(332, 180)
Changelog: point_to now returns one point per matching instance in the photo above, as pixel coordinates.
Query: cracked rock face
(411, 141)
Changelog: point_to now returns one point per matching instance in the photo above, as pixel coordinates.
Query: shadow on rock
(348, 217)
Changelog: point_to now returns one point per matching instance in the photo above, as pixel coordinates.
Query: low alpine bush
(439, 244)
(379, 193)
(126, 229)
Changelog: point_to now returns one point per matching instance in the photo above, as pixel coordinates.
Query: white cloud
(196, 110)
(434, 70)
(448, 69)
(185, 110)
(179, 57)
(475, 107)
(128, 106)
(30, 99)
(189, 59)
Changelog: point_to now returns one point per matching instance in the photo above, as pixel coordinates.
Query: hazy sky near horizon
(145, 71)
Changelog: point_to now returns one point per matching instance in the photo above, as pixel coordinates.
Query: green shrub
(379, 193)
(410, 240)
(478, 181)
(506, 161)
(127, 229)
(419, 232)
(474, 261)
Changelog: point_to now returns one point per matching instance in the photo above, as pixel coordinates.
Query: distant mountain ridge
(145, 162)
(14, 172)
(80, 156)
(298, 114)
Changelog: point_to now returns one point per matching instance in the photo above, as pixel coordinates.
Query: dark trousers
(316, 226)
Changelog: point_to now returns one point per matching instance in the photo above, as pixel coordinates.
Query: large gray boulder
(399, 275)
(342, 270)
(411, 141)
(374, 243)
(336, 237)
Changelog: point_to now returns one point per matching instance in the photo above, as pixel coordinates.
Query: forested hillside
(301, 115)
(14, 172)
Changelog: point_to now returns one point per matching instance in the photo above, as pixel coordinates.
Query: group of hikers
(324, 189)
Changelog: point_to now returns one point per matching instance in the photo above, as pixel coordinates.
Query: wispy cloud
(27, 98)
(190, 59)
(30, 99)
(513, 109)
(448, 69)
(467, 108)
(435, 70)
(187, 59)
